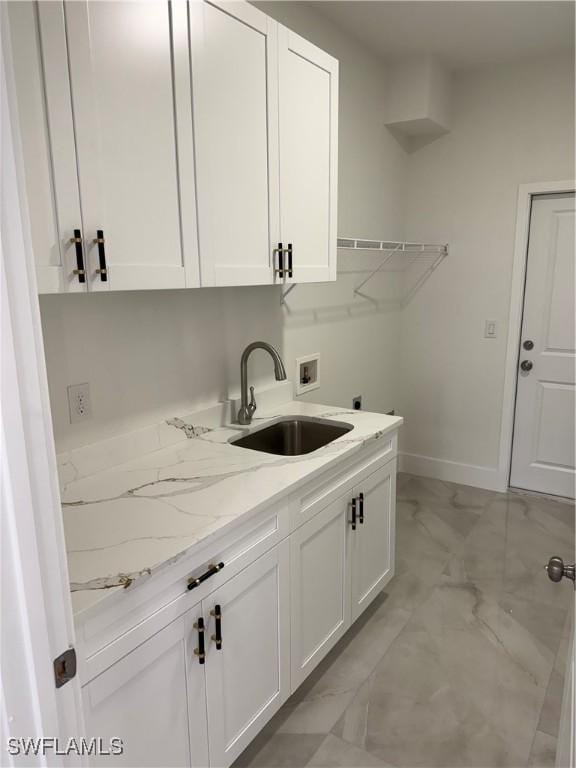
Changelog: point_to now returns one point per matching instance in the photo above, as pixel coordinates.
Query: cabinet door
(308, 96)
(154, 701)
(234, 73)
(320, 587)
(130, 78)
(40, 61)
(248, 679)
(372, 543)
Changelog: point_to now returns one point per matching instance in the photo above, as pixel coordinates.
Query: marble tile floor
(460, 661)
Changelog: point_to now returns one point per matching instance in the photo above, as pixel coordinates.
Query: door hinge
(65, 667)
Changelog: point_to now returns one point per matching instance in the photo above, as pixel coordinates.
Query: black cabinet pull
(102, 269)
(353, 519)
(361, 508)
(212, 569)
(200, 651)
(217, 636)
(280, 252)
(79, 271)
(289, 271)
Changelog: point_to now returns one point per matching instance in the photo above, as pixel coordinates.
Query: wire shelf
(387, 256)
(361, 244)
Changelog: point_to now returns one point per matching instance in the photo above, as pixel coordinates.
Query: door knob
(526, 365)
(528, 344)
(556, 569)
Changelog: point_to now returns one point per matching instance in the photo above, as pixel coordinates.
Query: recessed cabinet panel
(320, 587)
(372, 543)
(247, 679)
(128, 70)
(153, 700)
(234, 71)
(308, 95)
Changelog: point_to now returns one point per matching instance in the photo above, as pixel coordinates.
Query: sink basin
(293, 435)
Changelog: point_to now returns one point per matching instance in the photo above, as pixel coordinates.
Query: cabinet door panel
(248, 679)
(320, 587)
(372, 543)
(234, 66)
(308, 96)
(152, 699)
(132, 112)
(47, 136)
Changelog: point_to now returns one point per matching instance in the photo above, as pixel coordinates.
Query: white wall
(151, 354)
(358, 342)
(511, 124)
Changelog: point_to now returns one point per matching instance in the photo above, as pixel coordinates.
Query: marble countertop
(125, 522)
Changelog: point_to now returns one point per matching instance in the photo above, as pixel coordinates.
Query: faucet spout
(247, 408)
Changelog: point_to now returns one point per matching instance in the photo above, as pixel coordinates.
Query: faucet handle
(252, 404)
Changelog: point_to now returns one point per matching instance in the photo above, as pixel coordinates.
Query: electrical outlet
(79, 404)
(357, 403)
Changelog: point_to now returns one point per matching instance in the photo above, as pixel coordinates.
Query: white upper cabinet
(234, 66)
(129, 65)
(266, 136)
(50, 171)
(174, 144)
(308, 97)
(105, 108)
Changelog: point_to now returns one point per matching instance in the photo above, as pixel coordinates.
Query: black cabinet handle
(280, 252)
(289, 271)
(102, 269)
(200, 651)
(361, 508)
(353, 518)
(79, 271)
(217, 636)
(212, 569)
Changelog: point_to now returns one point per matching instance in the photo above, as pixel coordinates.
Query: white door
(46, 134)
(247, 654)
(153, 699)
(566, 749)
(130, 80)
(36, 623)
(372, 543)
(308, 96)
(234, 72)
(543, 445)
(320, 587)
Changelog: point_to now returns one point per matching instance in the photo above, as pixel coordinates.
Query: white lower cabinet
(372, 543)
(172, 705)
(248, 679)
(340, 560)
(196, 691)
(320, 587)
(153, 699)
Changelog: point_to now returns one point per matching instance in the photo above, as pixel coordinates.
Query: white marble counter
(183, 485)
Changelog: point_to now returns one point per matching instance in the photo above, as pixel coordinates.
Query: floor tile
(543, 753)
(336, 753)
(280, 750)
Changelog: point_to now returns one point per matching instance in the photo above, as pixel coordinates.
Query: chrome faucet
(247, 408)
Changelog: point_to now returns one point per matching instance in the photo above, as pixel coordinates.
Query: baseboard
(452, 471)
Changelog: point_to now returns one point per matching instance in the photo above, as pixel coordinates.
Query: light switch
(490, 329)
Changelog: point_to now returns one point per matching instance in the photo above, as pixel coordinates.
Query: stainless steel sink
(293, 435)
